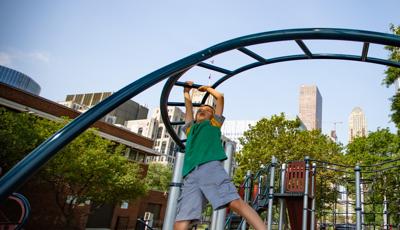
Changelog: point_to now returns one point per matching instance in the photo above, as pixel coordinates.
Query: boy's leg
(181, 225)
(244, 210)
(190, 202)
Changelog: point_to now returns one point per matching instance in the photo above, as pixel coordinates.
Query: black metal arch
(297, 35)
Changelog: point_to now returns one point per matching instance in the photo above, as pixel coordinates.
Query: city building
(18, 80)
(357, 124)
(163, 142)
(197, 97)
(396, 86)
(154, 129)
(129, 110)
(235, 129)
(310, 107)
(110, 216)
(144, 127)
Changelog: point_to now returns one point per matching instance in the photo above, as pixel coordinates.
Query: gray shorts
(210, 182)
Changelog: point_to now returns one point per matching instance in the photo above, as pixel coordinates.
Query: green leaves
(159, 176)
(88, 168)
(283, 139)
(392, 74)
(377, 147)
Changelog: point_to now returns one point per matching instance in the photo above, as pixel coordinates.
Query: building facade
(357, 124)
(154, 129)
(114, 216)
(163, 142)
(18, 80)
(235, 129)
(144, 127)
(197, 97)
(310, 107)
(129, 110)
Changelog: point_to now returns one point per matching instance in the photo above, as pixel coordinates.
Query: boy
(203, 172)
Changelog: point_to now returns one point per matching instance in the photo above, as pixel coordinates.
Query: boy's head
(205, 112)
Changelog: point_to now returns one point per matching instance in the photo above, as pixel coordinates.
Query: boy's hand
(204, 88)
(187, 89)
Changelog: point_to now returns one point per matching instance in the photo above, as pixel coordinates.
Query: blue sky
(98, 45)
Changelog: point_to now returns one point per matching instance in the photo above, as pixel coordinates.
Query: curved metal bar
(28, 166)
(303, 57)
(382, 170)
(380, 164)
(25, 209)
(330, 163)
(346, 57)
(332, 169)
(296, 57)
(164, 110)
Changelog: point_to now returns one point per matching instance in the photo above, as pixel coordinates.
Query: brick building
(114, 216)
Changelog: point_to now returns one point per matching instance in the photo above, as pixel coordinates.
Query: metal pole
(362, 184)
(282, 208)
(271, 191)
(174, 192)
(314, 166)
(305, 197)
(357, 171)
(347, 204)
(334, 204)
(221, 213)
(214, 220)
(246, 195)
(385, 213)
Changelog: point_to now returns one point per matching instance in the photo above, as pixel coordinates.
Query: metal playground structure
(28, 166)
(295, 193)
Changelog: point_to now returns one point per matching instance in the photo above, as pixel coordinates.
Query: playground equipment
(15, 201)
(28, 166)
(297, 195)
(23, 204)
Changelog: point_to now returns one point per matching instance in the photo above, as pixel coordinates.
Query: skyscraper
(310, 107)
(357, 124)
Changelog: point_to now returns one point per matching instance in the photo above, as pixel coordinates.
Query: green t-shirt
(203, 144)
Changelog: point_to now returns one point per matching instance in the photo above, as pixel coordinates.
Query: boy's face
(204, 113)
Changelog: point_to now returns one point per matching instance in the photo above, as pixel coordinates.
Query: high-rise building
(357, 124)
(155, 129)
(129, 110)
(310, 107)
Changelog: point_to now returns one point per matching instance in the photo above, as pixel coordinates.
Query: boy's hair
(209, 106)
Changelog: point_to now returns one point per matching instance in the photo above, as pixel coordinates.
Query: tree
(392, 74)
(378, 147)
(159, 177)
(285, 140)
(88, 168)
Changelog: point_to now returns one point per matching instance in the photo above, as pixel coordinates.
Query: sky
(85, 46)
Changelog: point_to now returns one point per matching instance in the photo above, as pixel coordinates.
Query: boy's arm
(188, 103)
(219, 109)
